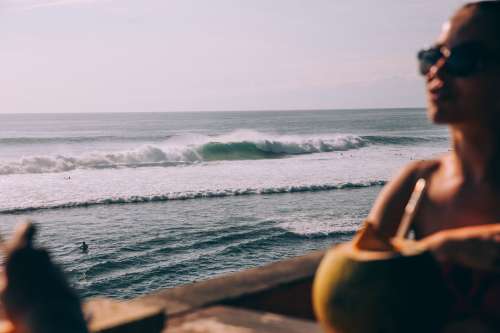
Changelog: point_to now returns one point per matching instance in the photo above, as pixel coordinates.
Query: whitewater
(169, 198)
(237, 145)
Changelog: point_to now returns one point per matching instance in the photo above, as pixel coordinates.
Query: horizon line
(217, 111)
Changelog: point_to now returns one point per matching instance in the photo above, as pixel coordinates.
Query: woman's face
(471, 99)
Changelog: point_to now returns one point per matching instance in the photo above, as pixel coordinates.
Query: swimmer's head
(463, 68)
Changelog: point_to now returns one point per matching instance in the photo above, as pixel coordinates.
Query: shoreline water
(180, 246)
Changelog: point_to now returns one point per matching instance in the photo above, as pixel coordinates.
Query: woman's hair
(489, 9)
(487, 4)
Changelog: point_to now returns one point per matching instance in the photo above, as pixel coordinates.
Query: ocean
(164, 199)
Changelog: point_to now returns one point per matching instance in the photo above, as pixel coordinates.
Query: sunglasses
(461, 61)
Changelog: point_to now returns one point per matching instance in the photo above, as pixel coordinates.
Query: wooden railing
(281, 290)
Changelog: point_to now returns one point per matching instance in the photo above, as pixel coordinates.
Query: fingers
(22, 238)
(475, 247)
(6, 327)
(489, 230)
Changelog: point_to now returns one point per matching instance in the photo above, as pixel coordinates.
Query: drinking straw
(411, 209)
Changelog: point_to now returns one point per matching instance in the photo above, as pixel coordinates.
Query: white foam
(180, 150)
(215, 193)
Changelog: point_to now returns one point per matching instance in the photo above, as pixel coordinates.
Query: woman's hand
(35, 294)
(475, 247)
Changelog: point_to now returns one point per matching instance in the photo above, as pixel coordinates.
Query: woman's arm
(389, 207)
(475, 247)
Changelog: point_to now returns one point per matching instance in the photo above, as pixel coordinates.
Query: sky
(218, 55)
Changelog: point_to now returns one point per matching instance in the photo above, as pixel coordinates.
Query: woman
(459, 216)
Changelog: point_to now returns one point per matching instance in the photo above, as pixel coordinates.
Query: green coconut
(365, 291)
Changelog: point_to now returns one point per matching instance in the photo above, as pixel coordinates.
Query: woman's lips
(438, 91)
(439, 95)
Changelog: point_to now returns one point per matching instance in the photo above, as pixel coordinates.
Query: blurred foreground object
(373, 284)
(35, 296)
(397, 289)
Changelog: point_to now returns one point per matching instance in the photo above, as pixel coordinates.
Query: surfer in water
(84, 247)
(459, 215)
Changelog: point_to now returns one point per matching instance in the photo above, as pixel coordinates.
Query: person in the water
(84, 247)
(459, 216)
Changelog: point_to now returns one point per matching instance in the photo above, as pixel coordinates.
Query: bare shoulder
(389, 207)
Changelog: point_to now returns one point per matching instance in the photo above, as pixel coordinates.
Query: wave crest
(238, 145)
(196, 195)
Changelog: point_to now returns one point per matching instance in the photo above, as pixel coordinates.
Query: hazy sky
(175, 55)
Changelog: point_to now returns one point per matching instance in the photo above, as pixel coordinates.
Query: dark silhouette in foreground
(36, 296)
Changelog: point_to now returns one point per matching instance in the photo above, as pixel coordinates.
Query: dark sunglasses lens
(427, 59)
(463, 61)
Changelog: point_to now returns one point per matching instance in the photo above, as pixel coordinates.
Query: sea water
(164, 199)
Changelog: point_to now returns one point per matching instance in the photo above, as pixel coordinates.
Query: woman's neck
(477, 153)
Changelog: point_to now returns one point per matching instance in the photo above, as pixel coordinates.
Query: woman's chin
(437, 116)
(442, 113)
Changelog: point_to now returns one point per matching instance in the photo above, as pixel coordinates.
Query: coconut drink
(372, 285)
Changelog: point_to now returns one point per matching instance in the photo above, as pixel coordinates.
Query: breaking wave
(195, 195)
(238, 145)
